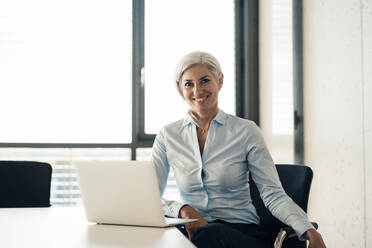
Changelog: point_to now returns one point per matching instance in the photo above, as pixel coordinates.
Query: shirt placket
(200, 161)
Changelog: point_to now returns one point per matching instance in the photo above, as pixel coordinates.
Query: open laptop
(124, 193)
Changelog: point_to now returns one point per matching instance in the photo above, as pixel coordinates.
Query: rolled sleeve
(301, 227)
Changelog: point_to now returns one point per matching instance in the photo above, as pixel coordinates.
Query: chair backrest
(296, 181)
(24, 184)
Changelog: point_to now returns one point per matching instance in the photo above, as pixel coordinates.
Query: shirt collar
(219, 118)
(187, 120)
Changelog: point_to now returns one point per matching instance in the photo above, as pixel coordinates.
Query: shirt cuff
(301, 228)
(173, 209)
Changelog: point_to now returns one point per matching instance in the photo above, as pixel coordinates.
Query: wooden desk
(67, 227)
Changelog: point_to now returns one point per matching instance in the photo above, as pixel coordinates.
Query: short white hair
(197, 58)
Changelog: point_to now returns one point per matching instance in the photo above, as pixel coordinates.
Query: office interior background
(93, 80)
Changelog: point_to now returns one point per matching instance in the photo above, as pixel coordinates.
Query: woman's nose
(197, 90)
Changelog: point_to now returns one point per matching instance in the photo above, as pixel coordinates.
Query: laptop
(122, 193)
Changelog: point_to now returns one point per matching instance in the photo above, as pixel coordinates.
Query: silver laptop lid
(120, 192)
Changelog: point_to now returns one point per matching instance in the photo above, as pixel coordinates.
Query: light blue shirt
(216, 183)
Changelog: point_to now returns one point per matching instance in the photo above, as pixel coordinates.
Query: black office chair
(296, 181)
(24, 184)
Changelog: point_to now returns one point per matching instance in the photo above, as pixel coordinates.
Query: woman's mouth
(200, 99)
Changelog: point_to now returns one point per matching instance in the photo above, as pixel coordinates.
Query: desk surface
(68, 227)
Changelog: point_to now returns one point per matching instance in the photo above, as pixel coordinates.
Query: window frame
(246, 59)
(298, 112)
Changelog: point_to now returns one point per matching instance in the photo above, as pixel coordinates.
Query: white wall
(338, 118)
(367, 77)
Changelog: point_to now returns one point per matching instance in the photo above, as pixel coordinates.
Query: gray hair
(193, 59)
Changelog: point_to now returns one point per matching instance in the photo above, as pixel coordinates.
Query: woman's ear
(220, 82)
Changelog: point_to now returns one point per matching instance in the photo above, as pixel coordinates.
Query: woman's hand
(187, 212)
(315, 239)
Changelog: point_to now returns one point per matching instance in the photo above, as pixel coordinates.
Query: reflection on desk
(67, 227)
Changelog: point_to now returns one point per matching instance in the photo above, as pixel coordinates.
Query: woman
(212, 154)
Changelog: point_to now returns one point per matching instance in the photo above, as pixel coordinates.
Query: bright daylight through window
(66, 76)
(282, 68)
(172, 29)
(65, 71)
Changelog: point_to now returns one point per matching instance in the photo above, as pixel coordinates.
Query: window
(65, 71)
(282, 68)
(185, 26)
(69, 78)
(276, 92)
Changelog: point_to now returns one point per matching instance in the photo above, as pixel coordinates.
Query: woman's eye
(188, 84)
(206, 80)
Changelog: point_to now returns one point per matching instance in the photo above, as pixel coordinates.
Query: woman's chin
(203, 109)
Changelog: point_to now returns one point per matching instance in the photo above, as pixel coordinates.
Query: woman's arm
(160, 161)
(266, 177)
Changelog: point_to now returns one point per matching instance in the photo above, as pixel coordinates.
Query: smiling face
(200, 89)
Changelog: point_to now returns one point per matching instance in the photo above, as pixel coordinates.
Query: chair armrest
(287, 233)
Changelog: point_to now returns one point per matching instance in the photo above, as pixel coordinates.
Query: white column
(367, 77)
(337, 117)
